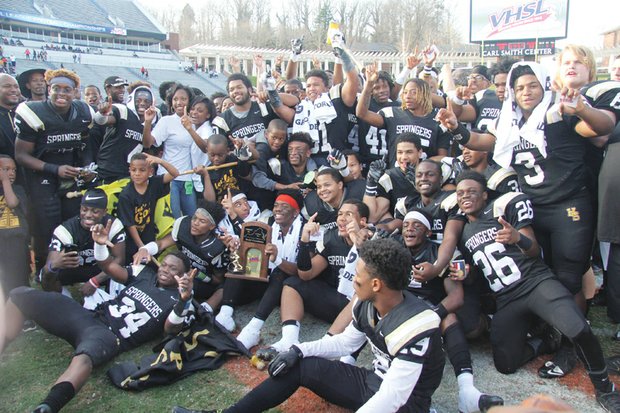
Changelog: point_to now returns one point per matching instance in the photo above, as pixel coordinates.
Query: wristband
(101, 252)
(175, 319)
(51, 168)
(295, 57)
(440, 310)
(93, 281)
(277, 262)
(52, 270)
(524, 242)
(304, 262)
(402, 76)
(100, 119)
(274, 98)
(151, 248)
(461, 134)
(371, 190)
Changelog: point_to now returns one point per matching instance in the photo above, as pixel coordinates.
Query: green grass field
(32, 363)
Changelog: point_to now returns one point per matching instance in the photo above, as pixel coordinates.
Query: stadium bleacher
(108, 56)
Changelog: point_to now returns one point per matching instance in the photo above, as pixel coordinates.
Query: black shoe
(609, 401)
(560, 365)
(267, 354)
(42, 408)
(613, 364)
(487, 401)
(29, 325)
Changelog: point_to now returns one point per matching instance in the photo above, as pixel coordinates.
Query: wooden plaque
(254, 238)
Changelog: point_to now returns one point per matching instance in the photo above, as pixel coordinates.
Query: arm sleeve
(335, 346)
(260, 180)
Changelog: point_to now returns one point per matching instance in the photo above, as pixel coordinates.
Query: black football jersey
(394, 186)
(120, 143)
(562, 173)
(442, 208)
(56, 140)
(206, 256)
(503, 266)
(326, 214)
(432, 136)
(256, 120)
(71, 233)
(433, 290)
(501, 180)
(487, 107)
(334, 249)
(139, 312)
(410, 332)
(373, 143)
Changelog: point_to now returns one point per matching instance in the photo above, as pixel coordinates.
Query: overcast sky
(587, 18)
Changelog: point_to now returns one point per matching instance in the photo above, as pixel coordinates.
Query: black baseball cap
(481, 70)
(115, 81)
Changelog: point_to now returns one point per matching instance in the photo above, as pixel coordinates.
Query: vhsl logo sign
(526, 13)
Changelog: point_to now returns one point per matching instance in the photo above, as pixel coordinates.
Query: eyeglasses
(476, 78)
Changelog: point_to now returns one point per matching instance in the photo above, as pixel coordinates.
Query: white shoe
(249, 337)
(226, 321)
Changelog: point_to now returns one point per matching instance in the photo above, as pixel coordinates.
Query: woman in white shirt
(177, 143)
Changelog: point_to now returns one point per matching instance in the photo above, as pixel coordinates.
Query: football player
(402, 330)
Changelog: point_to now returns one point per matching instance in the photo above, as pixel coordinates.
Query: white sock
(207, 307)
(226, 311)
(465, 380)
(255, 324)
(290, 334)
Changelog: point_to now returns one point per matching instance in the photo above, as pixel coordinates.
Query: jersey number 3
(527, 159)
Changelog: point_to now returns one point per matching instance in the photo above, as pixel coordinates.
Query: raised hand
(186, 121)
(571, 102)
(413, 59)
(310, 228)
(337, 159)
(376, 170)
(142, 256)
(508, 234)
(371, 73)
(447, 119)
(150, 113)
(100, 233)
(297, 45)
(105, 107)
(186, 284)
(464, 93)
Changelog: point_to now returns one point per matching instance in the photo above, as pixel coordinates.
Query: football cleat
(42, 408)
(560, 365)
(613, 364)
(267, 354)
(609, 401)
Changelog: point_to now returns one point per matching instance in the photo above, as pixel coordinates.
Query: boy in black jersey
(71, 254)
(137, 201)
(402, 331)
(315, 289)
(123, 137)
(384, 188)
(50, 146)
(150, 301)
(445, 295)
(499, 239)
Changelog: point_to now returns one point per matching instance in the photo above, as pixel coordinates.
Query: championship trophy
(249, 261)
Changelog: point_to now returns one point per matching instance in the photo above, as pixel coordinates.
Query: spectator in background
(32, 84)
